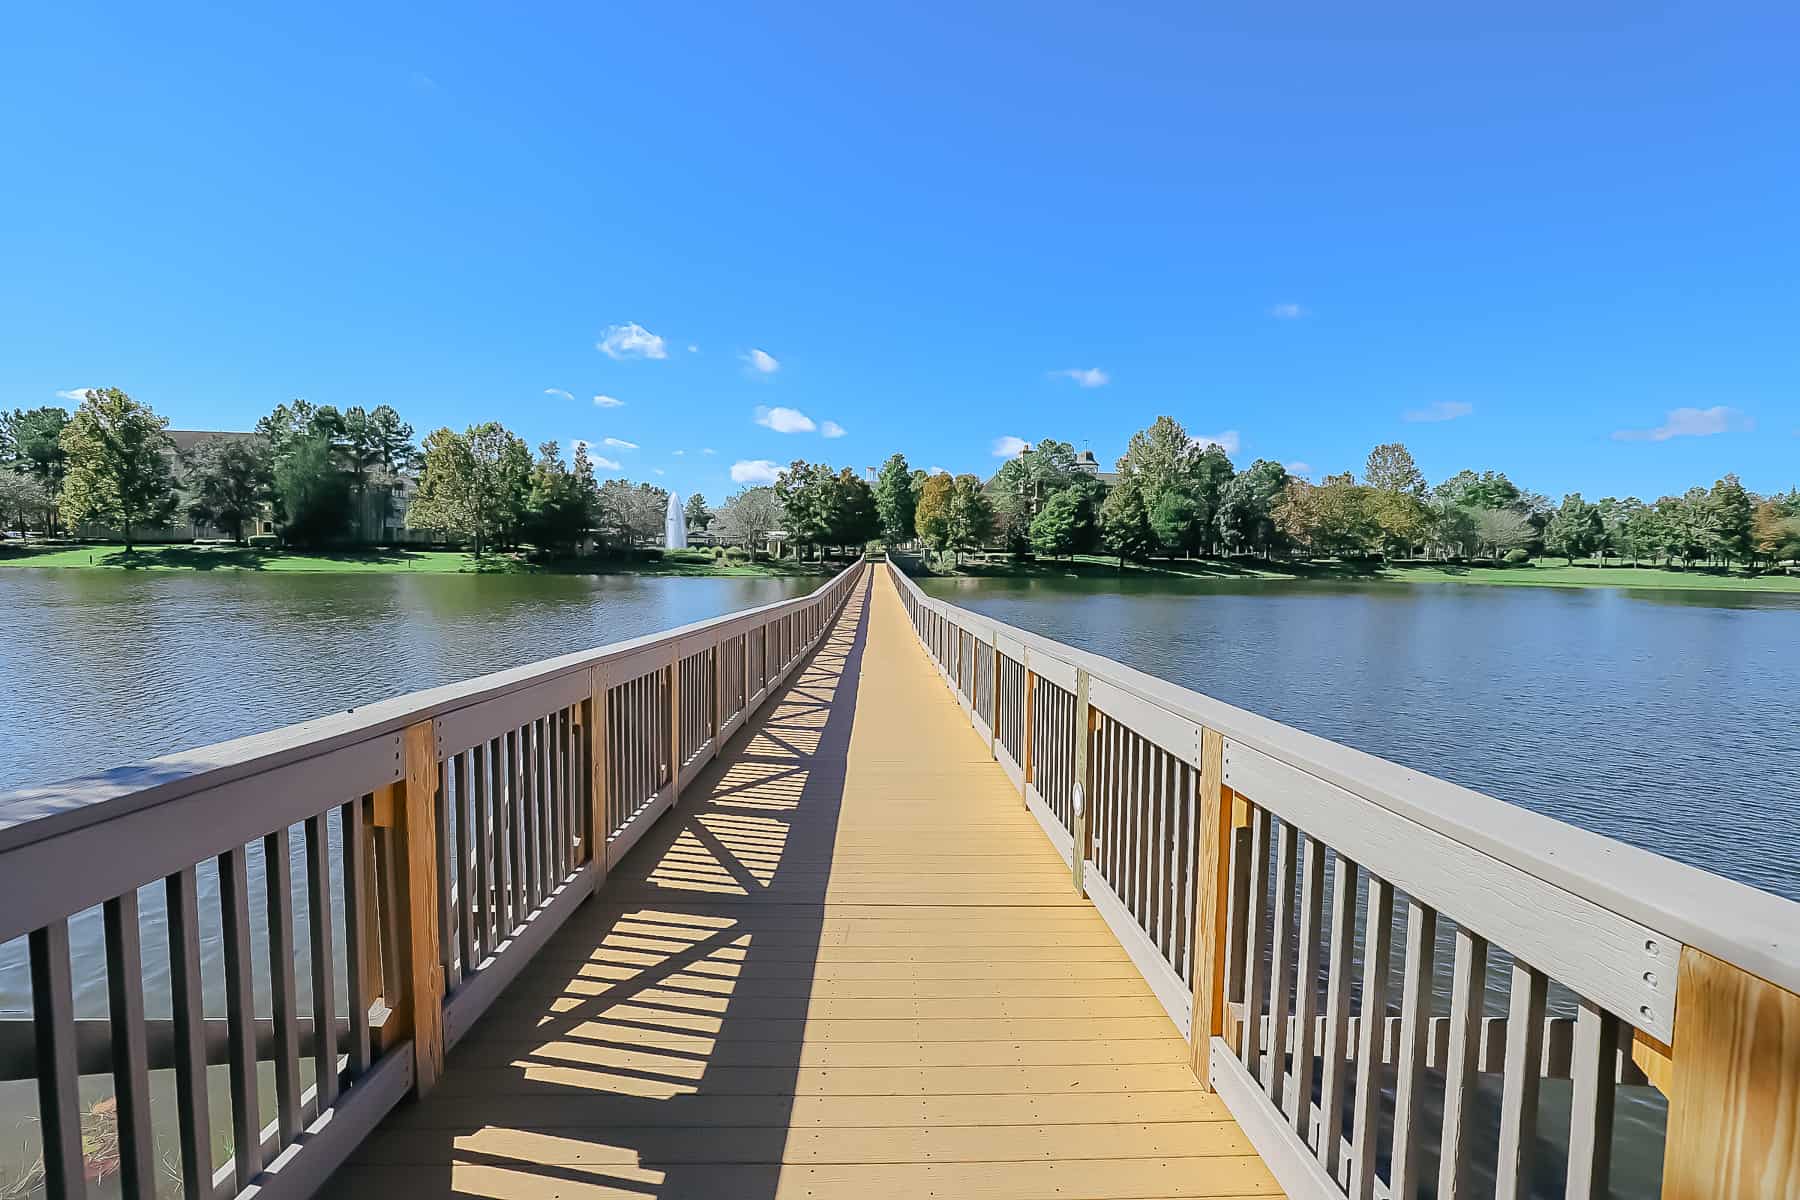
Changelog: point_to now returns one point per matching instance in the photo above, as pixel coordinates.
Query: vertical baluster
(358, 924)
(1337, 1016)
(528, 817)
(1256, 959)
(324, 965)
(551, 758)
(1378, 945)
(187, 1006)
(482, 807)
(1468, 990)
(130, 1062)
(1156, 877)
(1415, 1022)
(1275, 1065)
(240, 996)
(1518, 1101)
(1237, 920)
(58, 1078)
(500, 801)
(466, 939)
(444, 850)
(1597, 1038)
(1306, 987)
(278, 883)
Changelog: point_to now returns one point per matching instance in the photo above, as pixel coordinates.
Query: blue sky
(1304, 229)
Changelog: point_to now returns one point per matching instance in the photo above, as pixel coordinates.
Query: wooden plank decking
(849, 964)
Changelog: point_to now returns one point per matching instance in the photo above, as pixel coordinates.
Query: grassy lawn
(1541, 573)
(386, 561)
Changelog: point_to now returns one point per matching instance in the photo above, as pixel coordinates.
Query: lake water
(1669, 720)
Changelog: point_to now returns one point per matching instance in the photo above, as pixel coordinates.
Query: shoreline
(395, 561)
(1581, 575)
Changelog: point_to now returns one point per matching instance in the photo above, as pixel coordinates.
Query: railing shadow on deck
(655, 1041)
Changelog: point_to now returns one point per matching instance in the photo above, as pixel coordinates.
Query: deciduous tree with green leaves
(1246, 515)
(1575, 530)
(31, 444)
(931, 519)
(1125, 524)
(895, 500)
(473, 484)
(228, 481)
(119, 467)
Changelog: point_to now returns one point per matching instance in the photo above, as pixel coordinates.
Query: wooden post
(416, 996)
(675, 727)
(598, 750)
(1212, 897)
(718, 695)
(1734, 1111)
(1025, 768)
(1082, 843)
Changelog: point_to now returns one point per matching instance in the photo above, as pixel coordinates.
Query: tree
(473, 483)
(1178, 478)
(31, 443)
(377, 447)
(1125, 525)
(229, 480)
(971, 514)
(852, 516)
(931, 518)
(1490, 490)
(1501, 530)
(21, 498)
(1398, 503)
(1775, 529)
(630, 515)
(748, 517)
(895, 500)
(1068, 523)
(1734, 510)
(1174, 516)
(1026, 482)
(805, 492)
(313, 492)
(1390, 468)
(118, 464)
(1246, 513)
(558, 509)
(698, 516)
(1335, 517)
(1575, 530)
(1456, 528)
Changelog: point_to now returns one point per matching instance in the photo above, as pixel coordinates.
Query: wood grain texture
(1734, 1107)
(1212, 899)
(841, 967)
(414, 894)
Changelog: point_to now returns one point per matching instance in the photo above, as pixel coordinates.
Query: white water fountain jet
(675, 524)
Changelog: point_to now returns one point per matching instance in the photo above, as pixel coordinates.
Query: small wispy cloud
(754, 470)
(831, 429)
(558, 393)
(937, 471)
(75, 394)
(608, 402)
(1691, 422)
(659, 470)
(600, 463)
(1009, 446)
(784, 420)
(1288, 312)
(1440, 410)
(1087, 377)
(1229, 441)
(1297, 468)
(762, 362)
(677, 453)
(708, 450)
(693, 349)
(631, 340)
(618, 443)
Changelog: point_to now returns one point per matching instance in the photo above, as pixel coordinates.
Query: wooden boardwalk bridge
(863, 894)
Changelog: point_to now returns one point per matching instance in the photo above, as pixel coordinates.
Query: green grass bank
(380, 561)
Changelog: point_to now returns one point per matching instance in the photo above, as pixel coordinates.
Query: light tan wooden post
(675, 727)
(1212, 893)
(1081, 843)
(1734, 1111)
(598, 747)
(416, 996)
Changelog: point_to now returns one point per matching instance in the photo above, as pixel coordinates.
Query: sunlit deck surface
(848, 964)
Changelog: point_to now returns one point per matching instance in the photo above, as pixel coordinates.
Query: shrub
(1516, 558)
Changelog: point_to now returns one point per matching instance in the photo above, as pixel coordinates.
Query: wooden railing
(447, 833)
(1232, 855)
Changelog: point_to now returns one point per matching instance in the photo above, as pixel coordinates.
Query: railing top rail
(1752, 929)
(30, 815)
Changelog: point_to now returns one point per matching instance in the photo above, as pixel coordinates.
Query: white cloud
(1440, 410)
(784, 420)
(659, 470)
(75, 394)
(631, 340)
(600, 464)
(693, 349)
(754, 470)
(937, 471)
(831, 429)
(1009, 446)
(618, 443)
(762, 362)
(1691, 422)
(1297, 468)
(608, 402)
(1087, 377)
(709, 450)
(1288, 312)
(558, 393)
(1227, 441)
(608, 464)
(678, 453)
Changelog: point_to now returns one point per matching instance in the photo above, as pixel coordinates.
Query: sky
(1562, 241)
